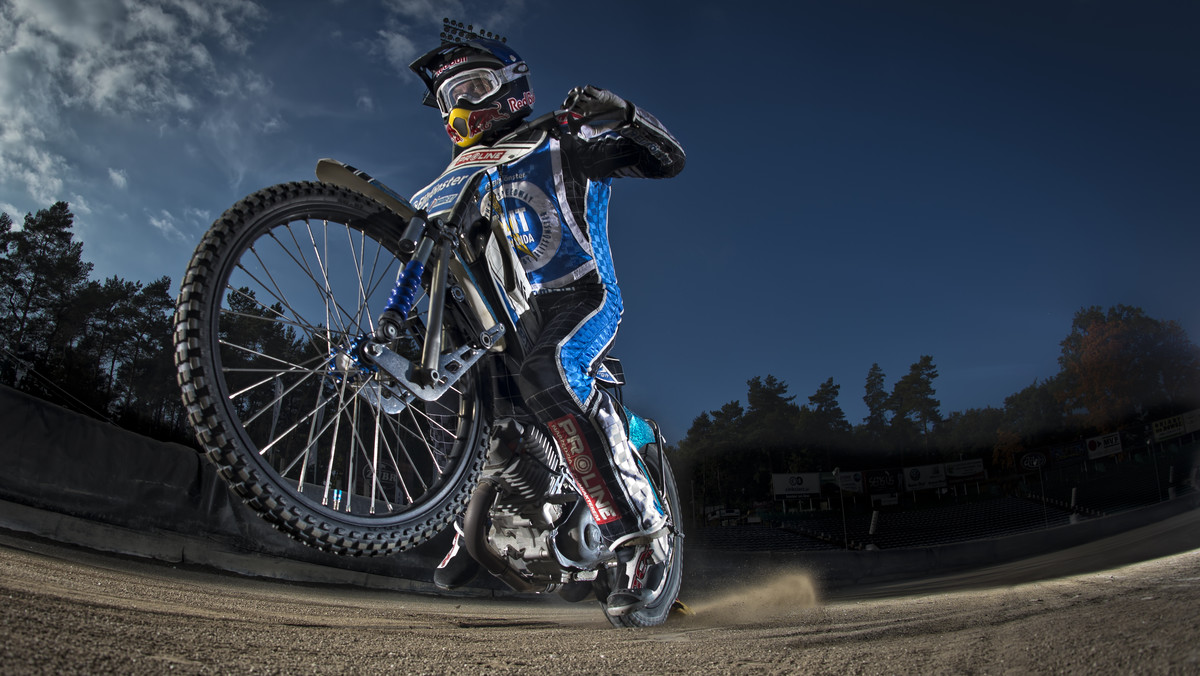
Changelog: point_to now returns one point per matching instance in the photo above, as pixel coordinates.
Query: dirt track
(66, 610)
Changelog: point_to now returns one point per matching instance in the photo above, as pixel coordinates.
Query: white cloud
(413, 25)
(425, 10)
(398, 49)
(40, 171)
(120, 56)
(365, 102)
(119, 178)
(173, 227)
(200, 217)
(491, 16)
(149, 59)
(79, 205)
(171, 65)
(223, 131)
(151, 21)
(165, 223)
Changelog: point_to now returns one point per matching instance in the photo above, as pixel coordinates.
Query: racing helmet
(481, 87)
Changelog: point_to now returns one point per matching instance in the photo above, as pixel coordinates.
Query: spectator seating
(896, 528)
(1043, 500)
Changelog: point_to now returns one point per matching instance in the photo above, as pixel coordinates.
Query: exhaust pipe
(475, 530)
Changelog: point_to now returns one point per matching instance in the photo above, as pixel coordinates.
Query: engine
(524, 464)
(539, 525)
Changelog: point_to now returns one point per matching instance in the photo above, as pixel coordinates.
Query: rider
(553, 200)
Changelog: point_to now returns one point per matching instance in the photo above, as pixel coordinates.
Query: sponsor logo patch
(481, 156)
(583, 467)
(641, 568)
(530, 220)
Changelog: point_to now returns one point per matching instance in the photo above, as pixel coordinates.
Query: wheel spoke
(275, 291)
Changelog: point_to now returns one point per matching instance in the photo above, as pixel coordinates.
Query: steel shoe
(458, 568)
(640, 574)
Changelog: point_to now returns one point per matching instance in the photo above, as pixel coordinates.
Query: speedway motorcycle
(346, 359)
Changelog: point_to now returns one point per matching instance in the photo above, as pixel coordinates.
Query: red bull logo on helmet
(515, 104)
(447, 66)
(465, 127)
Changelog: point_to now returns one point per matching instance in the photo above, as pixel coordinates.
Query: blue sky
(867, 181)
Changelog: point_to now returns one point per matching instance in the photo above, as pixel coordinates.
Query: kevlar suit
(553, 203)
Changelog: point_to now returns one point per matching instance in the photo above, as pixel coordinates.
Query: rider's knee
(539, 376)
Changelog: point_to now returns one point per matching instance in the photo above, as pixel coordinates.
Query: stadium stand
(1039, 501)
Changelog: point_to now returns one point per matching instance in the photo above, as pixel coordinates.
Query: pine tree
(42, 274)
(876, 398)
(914, 408)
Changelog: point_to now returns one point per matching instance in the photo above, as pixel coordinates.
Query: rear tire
(274, 299)
(657, 611)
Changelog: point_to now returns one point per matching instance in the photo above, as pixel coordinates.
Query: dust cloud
(769, 598)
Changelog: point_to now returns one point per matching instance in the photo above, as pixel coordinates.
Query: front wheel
(272, 311)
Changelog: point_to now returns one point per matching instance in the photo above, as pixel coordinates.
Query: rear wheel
(274, 305)
(657, 611)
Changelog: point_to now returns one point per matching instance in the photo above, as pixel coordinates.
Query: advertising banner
(1191, 421)
(882, 481)
(1175, 426)
(965, 470)
(1071, 454)
(1099, 447)
(924, 476)
(1033, 461)
(851, 482)
(1169, 428)
(796, 485)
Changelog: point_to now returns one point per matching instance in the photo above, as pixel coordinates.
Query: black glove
(593, 103)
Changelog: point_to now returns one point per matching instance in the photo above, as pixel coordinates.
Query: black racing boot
(458, 568)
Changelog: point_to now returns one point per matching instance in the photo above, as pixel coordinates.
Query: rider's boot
(459, 567)
(640, 570)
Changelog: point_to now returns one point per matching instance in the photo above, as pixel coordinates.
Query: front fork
(431, 351)
(436, 373)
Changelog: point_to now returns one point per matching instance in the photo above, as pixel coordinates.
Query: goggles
(474, 86)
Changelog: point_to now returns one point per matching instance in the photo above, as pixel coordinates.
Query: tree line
(1119, 370)
(102, 348)
(105, 348)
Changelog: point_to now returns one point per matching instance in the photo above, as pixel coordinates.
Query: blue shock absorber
(406, 289)
(401, 301)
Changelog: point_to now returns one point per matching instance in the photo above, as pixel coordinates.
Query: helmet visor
(474, 86)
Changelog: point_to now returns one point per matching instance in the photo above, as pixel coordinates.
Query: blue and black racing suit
(553, 200)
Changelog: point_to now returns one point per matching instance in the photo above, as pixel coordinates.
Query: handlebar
(562, 119)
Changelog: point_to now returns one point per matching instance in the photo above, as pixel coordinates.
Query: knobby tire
(274, 298)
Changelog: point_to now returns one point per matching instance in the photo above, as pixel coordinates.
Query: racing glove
(593, 103)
